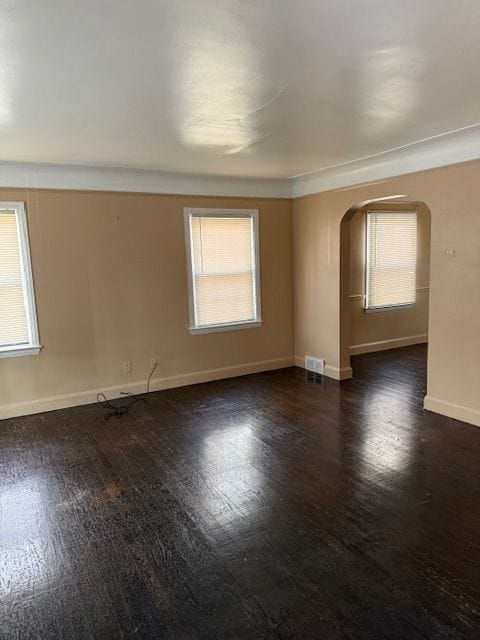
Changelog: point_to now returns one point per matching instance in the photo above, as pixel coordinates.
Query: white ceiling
(248, 88)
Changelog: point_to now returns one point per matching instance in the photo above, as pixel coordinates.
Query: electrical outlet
(153, 363)
(127, 367)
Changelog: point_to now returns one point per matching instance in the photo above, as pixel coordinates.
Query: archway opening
(360, 330)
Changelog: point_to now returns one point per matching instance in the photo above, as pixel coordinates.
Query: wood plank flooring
(271, 506)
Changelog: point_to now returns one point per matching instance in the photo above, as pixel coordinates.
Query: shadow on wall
(361, 332)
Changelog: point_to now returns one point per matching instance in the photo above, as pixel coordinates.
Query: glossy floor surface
(268, 506)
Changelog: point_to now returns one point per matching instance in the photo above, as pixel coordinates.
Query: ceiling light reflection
(391, 78)
(219, 83)
(6, 91)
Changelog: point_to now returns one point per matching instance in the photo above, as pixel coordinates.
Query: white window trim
(389, 307)
(190, 213)
(385, 307)
(33, 346)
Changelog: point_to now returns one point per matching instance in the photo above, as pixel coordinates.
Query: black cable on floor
(120, 410)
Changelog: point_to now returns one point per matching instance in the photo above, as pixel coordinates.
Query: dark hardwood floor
(268, 506)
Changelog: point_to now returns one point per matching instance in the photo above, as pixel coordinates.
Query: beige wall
(111, 286)
(389, 328)
(453, 196)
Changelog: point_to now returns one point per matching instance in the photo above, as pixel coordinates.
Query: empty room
(239, 320)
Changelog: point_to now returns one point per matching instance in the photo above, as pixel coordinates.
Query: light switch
(449, 253)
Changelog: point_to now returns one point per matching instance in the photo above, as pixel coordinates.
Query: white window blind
(391, 260)
(222, 247)
(18, 325)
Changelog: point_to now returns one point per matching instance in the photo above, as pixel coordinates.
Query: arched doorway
(392, 203)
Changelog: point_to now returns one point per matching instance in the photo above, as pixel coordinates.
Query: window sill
(393, 307)
(225, 327)
(13, 352)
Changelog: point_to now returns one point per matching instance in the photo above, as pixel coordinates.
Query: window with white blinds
(18, 323)
(391, 260)
(222, 248)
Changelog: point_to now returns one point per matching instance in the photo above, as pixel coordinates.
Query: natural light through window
(391, 259)
(18, 322)
(222, 249)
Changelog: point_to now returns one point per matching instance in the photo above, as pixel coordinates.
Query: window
(391, 259)
(222, 250)
(18, 320)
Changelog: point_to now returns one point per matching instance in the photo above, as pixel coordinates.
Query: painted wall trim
(93, 178)
(337, 373)
(456, 411)
(442, 150)
(384, 345)
(41, 405)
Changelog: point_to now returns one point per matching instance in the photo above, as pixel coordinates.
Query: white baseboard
(384, 345)
(459, 412)
(337, 373)
(40, 405)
